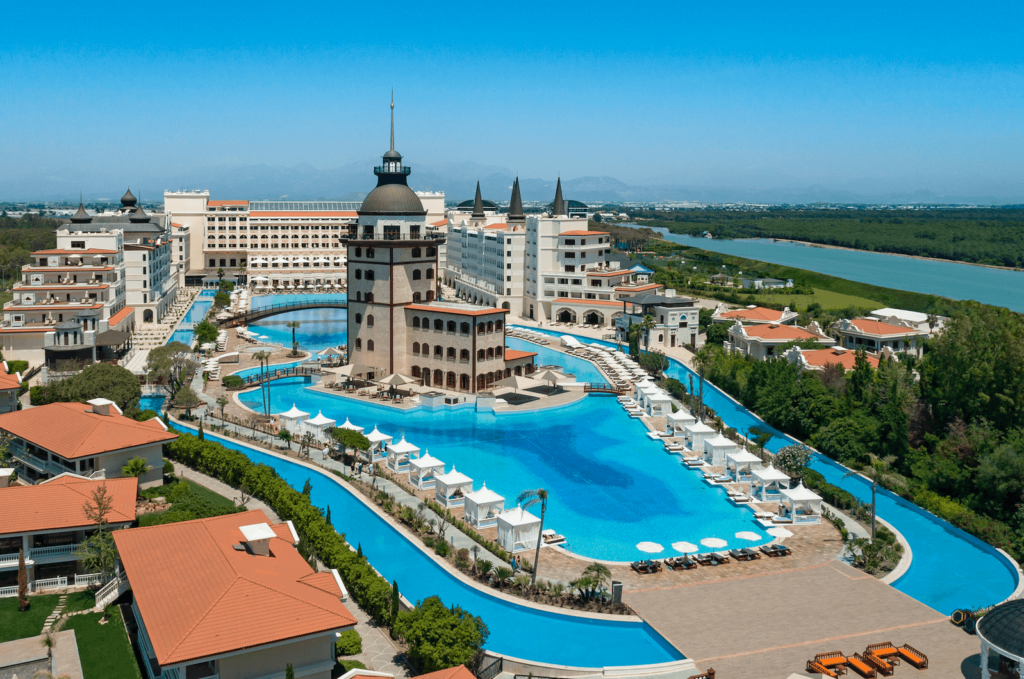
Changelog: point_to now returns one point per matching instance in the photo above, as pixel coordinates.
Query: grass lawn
(18, 625)
(104, 650)
(826, 298)
(80, 601)
(207, 494)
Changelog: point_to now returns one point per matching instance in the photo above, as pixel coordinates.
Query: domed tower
(391, 264)
(128, 201)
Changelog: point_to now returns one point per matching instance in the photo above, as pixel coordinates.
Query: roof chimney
(101, 406)
(257, 538)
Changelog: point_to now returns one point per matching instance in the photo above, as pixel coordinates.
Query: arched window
(451, 380)
(369, 252)
(415, 371)
(451, 326)
(359, 344)
(430, 295)
(480, 328)
(359, 252)
(438, 377)
(369, 345)
(519, 370)
(464, 328)
(359, 274)
(438, 324)
(438, 351)
(490, 353)
(426, 375)
(359, 296)
(359, 318)
(430, 274)
(417, 253)
(464, 355)
(480, 354)
(661, 338)
(416, 274)
(431, 251)
(490, 326)
(415, 321)
(369, 298)
(369, 320)
(415, 349)
(369, 274)
(464, 381)
(416, 299)
(497, 353)
(481, 382)
(498, 324)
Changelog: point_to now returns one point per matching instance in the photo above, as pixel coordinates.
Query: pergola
(319, 425)
(675, 422)
(376, 438)
(482, 507)
(1001, 631)
(804, 504)
(291, 420)
(742, 460)
(716, 449)
(767, 478)
(451, 488)
(398, 455)
(518, 530)
(423, 470)
(696, 433)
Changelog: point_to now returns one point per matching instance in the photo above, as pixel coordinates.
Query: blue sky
(866, 96)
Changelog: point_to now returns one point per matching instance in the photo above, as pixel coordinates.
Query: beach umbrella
(396, 380)
(685, 547)
(748, 535)
(549, 376)
(518, 382)
(714, 543)
(779, 532)
(649, 547)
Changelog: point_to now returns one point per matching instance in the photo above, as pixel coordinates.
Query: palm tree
(879, 469)
(294, 325)
(263, 357)
(600, 574)
(222, 402)
(527, 499)
(135, 467)
(502, 575)
(49, 638)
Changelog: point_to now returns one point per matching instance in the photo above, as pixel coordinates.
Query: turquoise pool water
(152, 402)
(515, 630)
(321, 328)
(197, 312)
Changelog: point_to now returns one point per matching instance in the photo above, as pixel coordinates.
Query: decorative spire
(80, 217)
(478, 203)
(138, 214)
(392, 120)
(559, 206)
(128, 200)
(515, 205)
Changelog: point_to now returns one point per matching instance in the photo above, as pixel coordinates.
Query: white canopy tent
(518, 530)
(376, 438)
(423, 470)
(741, 461)
(569, 341)
(482, 507)
(450, 489)
(804, 504)
(292, 420)
(675, 422)
(769, 481)
(695, 434)
(398, 455)
(659, 403)
(318, 426)
(349, 425)
(717, 449)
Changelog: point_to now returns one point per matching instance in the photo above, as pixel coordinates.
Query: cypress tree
(359, 550)
(201, 437)
(307, 488)
(328, 517)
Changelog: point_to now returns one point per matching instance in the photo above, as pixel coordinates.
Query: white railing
(49, 583)
(8, 559)
(110, 591)
(49, 552)
(90, 579)
(100, 474)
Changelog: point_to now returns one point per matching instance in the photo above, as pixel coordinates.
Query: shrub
(232, 382)
(349, 643)
(442, 548)
(440, 637)
(168, 467)
(17, 366)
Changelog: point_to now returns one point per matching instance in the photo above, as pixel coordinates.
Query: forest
(19, 237)
(992, 236)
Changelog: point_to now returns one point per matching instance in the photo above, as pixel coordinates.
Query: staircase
(109, 592)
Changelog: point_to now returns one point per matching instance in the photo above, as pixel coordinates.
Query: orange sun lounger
(834, 660)
(815, 667)
(859, 664)
(913, 656)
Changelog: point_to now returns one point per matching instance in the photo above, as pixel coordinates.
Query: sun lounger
(913, 656)
(680, 563)
(782, 550)
(740, 555)
(881, 666)
(722, 557)
(815, 667)
(706, 559)
(834, 661)
(860, 665)
(882, 650)
(752, 553)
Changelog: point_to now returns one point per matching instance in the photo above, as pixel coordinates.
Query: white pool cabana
(398, 455)
(518, 530)
(740, 462)
(695, 434)
(675, 422)
(318, 426)
(769, 481)
(349, 425)
(450, 489)
(658, 403)
(482, 507)
(423, 470)
(804, 505)
(378, 441)
(292, 420)
(716, 448)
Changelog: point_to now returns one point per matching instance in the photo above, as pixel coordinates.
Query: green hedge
(232, 382)
(369, 589)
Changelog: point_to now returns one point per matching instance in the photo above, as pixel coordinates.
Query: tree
(307, 441)
(285, 436)
(187, 399)
(527, 499)
(793, 460)
(201, 434)
(221, 299)
(205, 332)
(599, 573)
(22, 582)
(717, 334)
(289, 671)
(102, 380)
(395, 601)
(349, 439)
(307, 488)
(879, 470)
(222, 402)
(97, 552)
(49, 638)
(263, 357)
(761, 437)
(439, 637)
(654, 362)
(638, 331)
(220, 274)
(294, 325)
(171, 366)
(136, 467)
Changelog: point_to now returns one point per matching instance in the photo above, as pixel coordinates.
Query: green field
(826, 298)
(105, 651)
(207, 494)
(18, 625)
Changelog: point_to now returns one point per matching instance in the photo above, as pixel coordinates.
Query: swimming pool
(197, 312)
(152, 402)
(320, 329)
(515, 630)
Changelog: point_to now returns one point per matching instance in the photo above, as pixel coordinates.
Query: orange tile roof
(39, 328)
(224, 203)
(502, 226)
(640, 288)
(587, 302)
(583, 233)
(58, 504)
(871, 327)
(823, 357)
(200, 597)
(756, 314)
(514, 354)
(440, 222)
(74, 252)
(622, 272)
(459, 672)
(779, 333)
(69, 431)
(120, 316)
(8, 380)
(456, 310)
(55, 269)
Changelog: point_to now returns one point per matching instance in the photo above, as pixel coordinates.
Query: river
(998, 287)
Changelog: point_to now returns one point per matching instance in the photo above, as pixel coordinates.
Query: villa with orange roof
(90, 439)
(763, 341)
(10, 387)
(47, 522)
(753, 315)
(874, 335)
(230, 597)
(818, 359)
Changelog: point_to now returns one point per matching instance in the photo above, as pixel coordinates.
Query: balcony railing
(53, 552)
(38, 585)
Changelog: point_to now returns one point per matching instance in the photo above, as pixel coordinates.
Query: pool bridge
(276, 374)
(246, 317)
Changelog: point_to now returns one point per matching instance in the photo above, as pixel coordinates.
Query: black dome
(138, 215)
(128, 200)
(392, 155)
(1003, 627)
(392, 199)
(81, 217)
(489, 204)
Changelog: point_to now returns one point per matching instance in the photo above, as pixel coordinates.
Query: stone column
(984, 661)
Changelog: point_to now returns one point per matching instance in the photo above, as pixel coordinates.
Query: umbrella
(714, 543)
(779, 532)
(348, 370)
(685, 547)
(649, 547)
(748, 535)
(549, 376)
(396, 380)
(518, 382)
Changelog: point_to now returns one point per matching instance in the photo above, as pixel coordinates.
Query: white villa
(675, 422)
(318, 426)
(874, 336)
(518, 530)
(753, 315)
(762, 341)
(740, 462)
(483, 507)
(423, 471)
(695, 435)
(450, 489)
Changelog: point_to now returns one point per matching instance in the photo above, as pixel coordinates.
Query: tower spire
(558, 208)
(478, 203)
(392, 120)
(515, 205)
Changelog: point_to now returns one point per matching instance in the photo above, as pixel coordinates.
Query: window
(416, 275)
(416, 371)
(438, 351)
(480, 328)
(369, 252)
(359, 274)
(464, 328)
(359, 318)
(415, 349)
(359, 252)
(213, 263)
(570, 255)
(682, 324)
(369, 345)
(431, 251)
(490, 326)
(369, 320)
(569, 268)
(451, 326)
(480, 355)
(430, 295)
(359, 344)
(369, 274)
(430, 274)
(490, 353)
(497, 352)
(464, 355)
(498, 325)
(508, 266)
(415, 321)
(80, 245)
(451, 353)
(438, 324)
(417, 253)
(416, 300)
(570, 241)
(369, 298)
